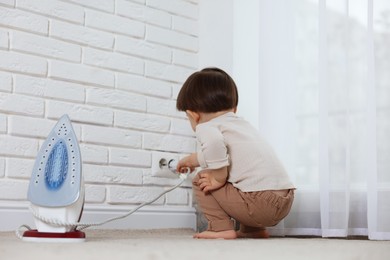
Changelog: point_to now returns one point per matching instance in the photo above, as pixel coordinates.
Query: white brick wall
(3, 124)
(2, 167)
(44, 46)
(115, 67)
(48, 88)
(4, 40)
(5, 82)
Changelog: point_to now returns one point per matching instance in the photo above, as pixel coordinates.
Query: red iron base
(36, 236)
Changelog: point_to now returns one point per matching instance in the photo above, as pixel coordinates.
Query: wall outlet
(160, 164)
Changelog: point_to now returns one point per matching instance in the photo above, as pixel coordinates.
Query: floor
(178, 244)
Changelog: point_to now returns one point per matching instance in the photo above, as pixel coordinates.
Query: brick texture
(115, 67)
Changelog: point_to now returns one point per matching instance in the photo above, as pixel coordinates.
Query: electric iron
(56, 189)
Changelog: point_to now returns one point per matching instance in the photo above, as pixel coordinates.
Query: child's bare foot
(258, 234)
(226, 234)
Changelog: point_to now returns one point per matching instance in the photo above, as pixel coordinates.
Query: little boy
(241, 176)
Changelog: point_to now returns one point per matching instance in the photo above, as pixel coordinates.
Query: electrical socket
(159, 158)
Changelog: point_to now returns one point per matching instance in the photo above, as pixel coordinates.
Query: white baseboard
(13, 216)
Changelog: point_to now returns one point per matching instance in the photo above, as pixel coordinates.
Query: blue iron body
(56, 188)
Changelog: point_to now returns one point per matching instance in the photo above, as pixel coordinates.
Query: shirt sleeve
(212, 151)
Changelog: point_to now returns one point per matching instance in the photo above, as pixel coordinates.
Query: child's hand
(207, 182)
(190, 161)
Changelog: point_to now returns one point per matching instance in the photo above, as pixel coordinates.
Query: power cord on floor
(81, 226)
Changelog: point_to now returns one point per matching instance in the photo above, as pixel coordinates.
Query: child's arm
(210, 180)
(190, 161)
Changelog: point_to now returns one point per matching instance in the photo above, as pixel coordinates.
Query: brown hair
(209, 90)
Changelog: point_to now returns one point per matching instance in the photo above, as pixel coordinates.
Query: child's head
(207, 91)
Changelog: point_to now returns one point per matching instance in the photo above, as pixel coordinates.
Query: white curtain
(324, 102)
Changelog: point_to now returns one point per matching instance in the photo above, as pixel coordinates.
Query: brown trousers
(253, 210)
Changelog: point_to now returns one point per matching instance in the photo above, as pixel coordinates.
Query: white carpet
(179, 244)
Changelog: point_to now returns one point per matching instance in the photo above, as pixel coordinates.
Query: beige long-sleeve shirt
(229, 140)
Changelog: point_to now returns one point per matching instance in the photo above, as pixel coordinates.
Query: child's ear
(194, 115)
